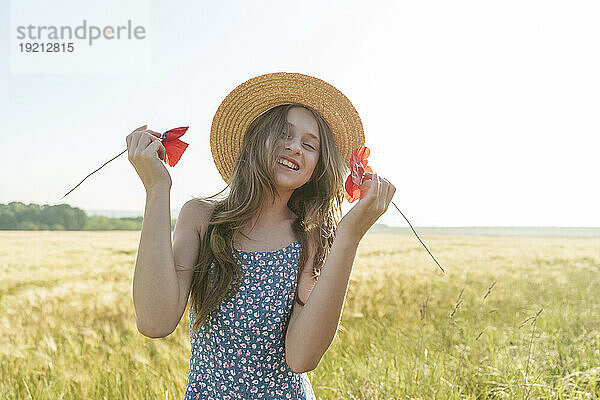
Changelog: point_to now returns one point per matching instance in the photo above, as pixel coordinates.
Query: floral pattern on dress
(238, 353)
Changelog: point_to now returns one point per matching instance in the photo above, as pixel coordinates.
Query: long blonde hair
(316, 204)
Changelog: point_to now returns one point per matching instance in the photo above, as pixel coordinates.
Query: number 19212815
(46, 47)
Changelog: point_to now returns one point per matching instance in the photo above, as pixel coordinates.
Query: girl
(249, 262)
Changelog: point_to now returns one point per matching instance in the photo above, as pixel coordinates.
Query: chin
(291, 183)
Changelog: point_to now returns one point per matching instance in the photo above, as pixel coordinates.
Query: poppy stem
(93, 172)
(419, 238)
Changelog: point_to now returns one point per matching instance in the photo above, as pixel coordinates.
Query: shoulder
(197, 212)
(199, 204)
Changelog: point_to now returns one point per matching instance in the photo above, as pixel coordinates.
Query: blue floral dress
(238, 353)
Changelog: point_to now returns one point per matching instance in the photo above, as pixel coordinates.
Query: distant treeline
(62, 217)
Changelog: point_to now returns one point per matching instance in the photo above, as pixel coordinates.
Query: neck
(273, 217)
(275, 209)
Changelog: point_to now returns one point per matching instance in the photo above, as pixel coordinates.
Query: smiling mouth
(286, 167)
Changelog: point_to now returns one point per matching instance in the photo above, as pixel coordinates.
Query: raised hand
(145, 153)
(375, 197)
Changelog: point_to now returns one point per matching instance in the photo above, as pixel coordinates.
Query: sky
(480, 113)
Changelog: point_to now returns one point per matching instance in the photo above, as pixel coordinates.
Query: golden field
(67, 321)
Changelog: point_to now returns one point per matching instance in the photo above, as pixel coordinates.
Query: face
(301, 144)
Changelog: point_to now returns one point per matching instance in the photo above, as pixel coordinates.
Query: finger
(140, 128)
(381, 200)
(157, 134)
(375, 188)
(128, 141)
(131, 143)
(152, 135)
(155, 148)
(365, 185)
(144, 138)
(161, 150)
(391, 191)
(135, 141)
(148, 135)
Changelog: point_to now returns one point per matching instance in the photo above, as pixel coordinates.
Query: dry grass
(67, 327)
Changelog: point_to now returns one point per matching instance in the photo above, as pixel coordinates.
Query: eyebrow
(308, 133)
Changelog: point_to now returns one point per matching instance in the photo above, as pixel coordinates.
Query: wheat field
(512, 318)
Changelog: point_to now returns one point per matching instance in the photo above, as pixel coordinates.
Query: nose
(292, 145)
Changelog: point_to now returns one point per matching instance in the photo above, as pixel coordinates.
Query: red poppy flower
(359, 170)
(174, 147)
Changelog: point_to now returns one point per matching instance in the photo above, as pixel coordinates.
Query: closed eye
(286, 135)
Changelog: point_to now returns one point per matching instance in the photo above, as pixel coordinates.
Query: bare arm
(162, 284)
(155, 285)
(312, 328)
(163, 273)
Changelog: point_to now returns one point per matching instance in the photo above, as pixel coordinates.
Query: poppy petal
(359, 172)
(174, 147)
(175, 133)
(362, 152)
(349, 185)
(174, 150)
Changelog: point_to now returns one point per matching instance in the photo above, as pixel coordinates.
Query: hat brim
(252, 98)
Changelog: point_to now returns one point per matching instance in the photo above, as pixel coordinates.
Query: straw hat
(252, 98)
